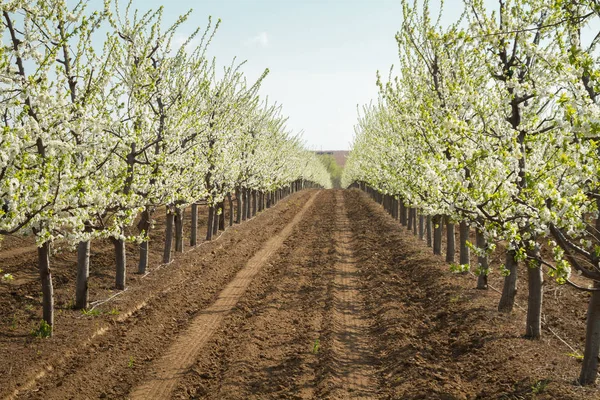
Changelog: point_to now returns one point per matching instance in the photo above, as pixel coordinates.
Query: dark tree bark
(509, 291)
(409, 225)
(222, 216)
(421, 226)
(238, 206)
(47, 287)
(437, 235)
(170, 223)
(244, 204)
(83, 275)
(534, 302)
(403, 212)
(210, 223)
(254, 203)
(216, 222)
(450, 241)
(194, 227)
(482, 261)
(589, 367)
(179, 215)
(144, 226)
(415, 227)
(121, 263)
(429, 231)
(231, 211)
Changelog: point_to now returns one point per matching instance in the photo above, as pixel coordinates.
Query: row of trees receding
(493, 123)
(106, 117)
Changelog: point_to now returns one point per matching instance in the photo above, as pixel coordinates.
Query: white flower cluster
(90, 137)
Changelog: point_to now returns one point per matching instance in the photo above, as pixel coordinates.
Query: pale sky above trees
(323, 55)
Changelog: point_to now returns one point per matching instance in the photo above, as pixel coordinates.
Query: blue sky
(322, 54)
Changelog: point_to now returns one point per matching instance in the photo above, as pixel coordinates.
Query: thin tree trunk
(535, 281)
(428, 230)
(83, 274)
(243, 204)
(179, 215)
(421, 226)
(437, 235)
(415, 227)
(238, 206)
(170, 222)
(121, 263)
(210, 223)
(450, 241)
(222, 216)
(254, 203)
(230, 200)
(403, 218)
(47, 288)
(465, 256)
(509, 291)
(589, 367)
(409, 225)
(216, 221)
(144, 226)
(483, 266)
(194, 227)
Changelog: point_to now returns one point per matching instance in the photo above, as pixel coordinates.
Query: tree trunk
(144, 226)
(415, 227)
(482, 261)
(450, 245)
(179, 214)
(465, 256)
(421, 226)
(230, 200)
(121, 263)
(509, 291)
(210, 223)
(168, 236)
(194, 227)
(216, 221)
(589, 367)
(47, 288)
(222, 216)
(254, 203)
(437, 235)
(409, 225)
(428, 230)
(243, 205)
(238, 206)
(83, 275)
(535, 281)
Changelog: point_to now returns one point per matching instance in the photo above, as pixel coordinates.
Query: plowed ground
(324, 296)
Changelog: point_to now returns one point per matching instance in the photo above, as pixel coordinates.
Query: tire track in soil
(185, 349)
(353, 374)
(265, 348)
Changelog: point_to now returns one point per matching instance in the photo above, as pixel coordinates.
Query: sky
(322, 55)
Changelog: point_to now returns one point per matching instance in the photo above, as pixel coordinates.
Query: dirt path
(181, 355)
(270, 345)
(353, 357)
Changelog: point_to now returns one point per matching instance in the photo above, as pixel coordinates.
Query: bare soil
(323, 296)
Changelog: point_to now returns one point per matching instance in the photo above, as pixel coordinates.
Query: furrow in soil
(184, 351)
(354, 374)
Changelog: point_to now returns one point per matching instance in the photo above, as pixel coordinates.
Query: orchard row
(106, 117)
(493, 123)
